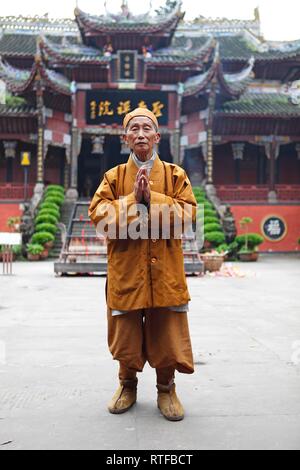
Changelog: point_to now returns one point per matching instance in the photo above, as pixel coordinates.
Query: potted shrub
(17, 251)
(249, 242)
(55, 213)
(214, 239)
(50, 228)
(46, 219)
(34, 251)
(45, 239)
(213, 260)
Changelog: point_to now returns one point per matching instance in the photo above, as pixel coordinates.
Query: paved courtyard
(56, 374)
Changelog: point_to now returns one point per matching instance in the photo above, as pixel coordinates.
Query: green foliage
(14, 101)
(46, 219)
(46, 228)
(17, 250)
(213, 228)
(211, 220)
(215, 238)
(254, 239)
(57, 199)
(210, 213)
(208, 205)
(34, 248)
(54, 212)
(42, 238)
(49, 205)
(55, 188)
(222, 247)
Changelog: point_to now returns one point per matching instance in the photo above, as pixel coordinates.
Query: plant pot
(44, 254)
(207, 244)
(253, 256)
(212, 263)
(49, 245)
(31, 257)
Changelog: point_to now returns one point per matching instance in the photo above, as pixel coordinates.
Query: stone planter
(31, 257)
(248, 256)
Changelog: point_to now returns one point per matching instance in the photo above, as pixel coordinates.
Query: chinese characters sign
(110, 107)
(274, 228)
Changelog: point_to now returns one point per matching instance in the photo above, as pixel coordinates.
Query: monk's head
(141, 132)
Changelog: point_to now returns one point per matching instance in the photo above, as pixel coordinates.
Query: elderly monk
(146, 290)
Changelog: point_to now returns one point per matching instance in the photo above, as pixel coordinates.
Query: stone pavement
(56, 374)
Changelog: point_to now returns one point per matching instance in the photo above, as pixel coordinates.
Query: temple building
(227, 100)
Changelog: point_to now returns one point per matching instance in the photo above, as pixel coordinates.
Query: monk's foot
(124, 398)
(169, 403)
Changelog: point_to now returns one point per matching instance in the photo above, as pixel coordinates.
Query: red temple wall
(291, 215)
(6, 211)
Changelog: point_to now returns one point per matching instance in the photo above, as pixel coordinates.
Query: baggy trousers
(157, 335)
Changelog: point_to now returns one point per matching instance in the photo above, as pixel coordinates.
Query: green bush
(17, 250)
(215, 238)
(46, 228)
(254, 239)
(55, 188)
(53, 212)
(222, 247)
(34, 248)
(211, 220)
(210, 213)
(212, 228)
(45, 219)
(42, 238)
(49, 205)
(58, 200)
(208, 205)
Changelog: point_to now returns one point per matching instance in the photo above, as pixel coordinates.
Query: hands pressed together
(142, 187)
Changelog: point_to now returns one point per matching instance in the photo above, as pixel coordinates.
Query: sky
(280, 19)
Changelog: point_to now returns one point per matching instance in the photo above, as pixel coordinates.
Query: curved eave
(235, 84)
(62, 58)
(63, 87)
(9, 75)
(94, 24)
(175, 60)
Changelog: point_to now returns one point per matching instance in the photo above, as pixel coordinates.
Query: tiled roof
(73, 53)
(19, 111)
(147, 24)
(182, 56)
(18, 81)
(261, 104)
(232, 85)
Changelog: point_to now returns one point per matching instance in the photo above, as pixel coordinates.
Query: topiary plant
(42, 238)
(49, 205)
(46, 219)
(53, 212)
(215, 238)
(57, 199)
(34, 248)
(216, 227)
(210, 213)
(55, 188)
(253, 241)
(46, 228)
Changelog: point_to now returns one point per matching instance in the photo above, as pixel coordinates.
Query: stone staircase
(85, 253)
(66, 211)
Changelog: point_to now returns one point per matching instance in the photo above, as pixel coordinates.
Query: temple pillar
(72, 193)
(9, 153)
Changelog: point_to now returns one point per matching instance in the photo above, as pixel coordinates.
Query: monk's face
(141, 136)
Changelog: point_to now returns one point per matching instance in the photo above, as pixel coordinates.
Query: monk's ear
(125, 138)
(157, 138)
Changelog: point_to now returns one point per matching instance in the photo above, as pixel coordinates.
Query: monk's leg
(167, 340)
(125, 340)
(168, 348)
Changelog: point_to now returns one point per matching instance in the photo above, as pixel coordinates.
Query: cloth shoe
(124, 398)
(169, 403)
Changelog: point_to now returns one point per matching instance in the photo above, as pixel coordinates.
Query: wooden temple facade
(228, 102)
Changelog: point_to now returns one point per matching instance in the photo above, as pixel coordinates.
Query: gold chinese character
(124, 107)
(142, 104)
(93, 106)
(157, 107)
(127, 73)
(104, 108)
(127, 58)
(127, 66)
